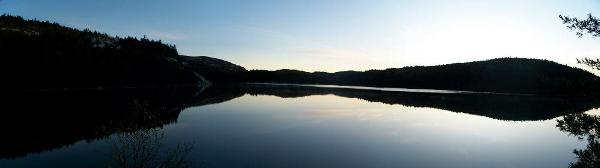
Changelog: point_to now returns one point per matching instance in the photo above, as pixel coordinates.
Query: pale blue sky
(332, 35)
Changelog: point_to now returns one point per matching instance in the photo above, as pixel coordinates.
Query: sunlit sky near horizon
(334, 35)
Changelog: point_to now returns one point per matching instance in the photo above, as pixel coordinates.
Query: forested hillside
(216, 70)
(48, 55)
(507, 75)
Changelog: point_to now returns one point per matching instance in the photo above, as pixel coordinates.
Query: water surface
(290, 126)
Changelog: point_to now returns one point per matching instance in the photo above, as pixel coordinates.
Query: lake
(262, 125)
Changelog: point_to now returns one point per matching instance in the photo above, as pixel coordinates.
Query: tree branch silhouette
(589, 26)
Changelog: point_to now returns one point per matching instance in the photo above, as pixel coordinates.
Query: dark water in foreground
(296, 126)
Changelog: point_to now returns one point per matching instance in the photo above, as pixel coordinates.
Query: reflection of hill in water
(49, 120)
(503, 107)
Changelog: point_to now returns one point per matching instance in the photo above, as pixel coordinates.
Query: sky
(336, 35)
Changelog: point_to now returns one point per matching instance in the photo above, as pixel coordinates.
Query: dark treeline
(506, 75)
(48, 55)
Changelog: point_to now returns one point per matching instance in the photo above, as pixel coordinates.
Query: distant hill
(44, 55)
(506, 75)
(215, 70)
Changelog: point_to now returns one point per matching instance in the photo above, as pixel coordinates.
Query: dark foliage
(48, 55)
(507, 75)
(594, 63)
(590, 26)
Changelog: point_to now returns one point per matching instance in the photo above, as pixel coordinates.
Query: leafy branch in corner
(589, 26)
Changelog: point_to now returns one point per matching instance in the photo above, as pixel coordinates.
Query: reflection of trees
(497, 106)
(584, 126)
(144, 148)
(42, 121)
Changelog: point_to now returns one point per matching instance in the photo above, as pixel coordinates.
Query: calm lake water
(293, 126)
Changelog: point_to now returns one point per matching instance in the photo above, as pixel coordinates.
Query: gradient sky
(333, 35)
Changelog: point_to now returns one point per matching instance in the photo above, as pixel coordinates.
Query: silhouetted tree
(589, 26)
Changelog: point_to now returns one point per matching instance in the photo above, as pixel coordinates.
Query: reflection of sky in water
(331, 131)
